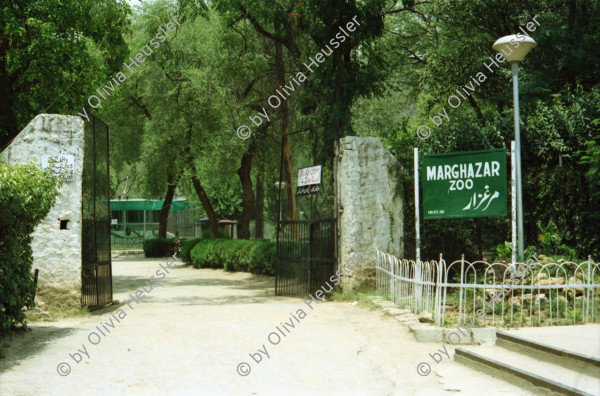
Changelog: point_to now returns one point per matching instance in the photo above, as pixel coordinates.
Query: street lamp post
(280, 186)
(515, 55)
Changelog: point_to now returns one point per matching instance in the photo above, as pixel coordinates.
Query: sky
(133, 3)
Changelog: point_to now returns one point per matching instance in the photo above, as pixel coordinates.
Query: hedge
(255, 255)
(207, 233)
(186, 249)
(26, 196)
(159, 247)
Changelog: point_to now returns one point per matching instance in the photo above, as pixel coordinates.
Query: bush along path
(256, 256)
(26, 196)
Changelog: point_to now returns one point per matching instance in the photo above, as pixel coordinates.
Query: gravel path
(188, 335)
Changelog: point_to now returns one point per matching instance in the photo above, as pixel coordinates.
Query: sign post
(465, 184)
(309, 180)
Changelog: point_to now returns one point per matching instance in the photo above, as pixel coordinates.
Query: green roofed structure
(134, 220)
(142, 204)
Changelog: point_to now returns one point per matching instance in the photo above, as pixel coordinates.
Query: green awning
(176, 206)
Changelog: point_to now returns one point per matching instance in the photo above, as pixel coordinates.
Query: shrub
(159, 247)
(207, 234)
(255, 256)
(262, 258)
(26, 196)
(186, 249)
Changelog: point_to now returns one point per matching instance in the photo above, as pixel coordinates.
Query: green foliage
(55, 54)
(226, 197)
(159, 247)
(262, 257)
(590, 156)
(207, 234)
(255, 256)
(549, 237)
(439, 47)
(504, 250)
(550, 240)
(530, 252)
(186, 249)
(556, 190)
(26, 196)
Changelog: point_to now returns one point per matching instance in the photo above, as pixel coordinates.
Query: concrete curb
(475, 336)
(587, 365)
(467, 357)
(120, 252)
(425, 332)
(403, 316)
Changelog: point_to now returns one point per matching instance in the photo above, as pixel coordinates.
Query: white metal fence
(550, 293)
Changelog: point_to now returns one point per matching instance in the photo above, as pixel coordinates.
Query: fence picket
(423, 286)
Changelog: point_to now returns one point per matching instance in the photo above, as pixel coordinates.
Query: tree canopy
(174, 120)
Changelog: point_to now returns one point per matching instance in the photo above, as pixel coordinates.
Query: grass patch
(362, 296)
(57, 312)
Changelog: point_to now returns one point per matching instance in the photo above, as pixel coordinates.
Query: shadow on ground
(127, 284)
(30, 343)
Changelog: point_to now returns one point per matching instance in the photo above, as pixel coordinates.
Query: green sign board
(464, 184)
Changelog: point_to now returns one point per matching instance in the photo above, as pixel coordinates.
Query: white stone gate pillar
(369, 196)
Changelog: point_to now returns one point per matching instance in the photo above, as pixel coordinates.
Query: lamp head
(515, 45)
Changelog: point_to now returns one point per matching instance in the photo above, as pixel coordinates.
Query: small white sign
(114, 221)
(58, 163)
(309, 176)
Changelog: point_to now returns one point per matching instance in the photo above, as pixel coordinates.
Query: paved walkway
(581, 339)
(189, 334)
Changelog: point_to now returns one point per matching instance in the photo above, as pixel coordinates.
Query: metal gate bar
(306, 256)
(96, 266)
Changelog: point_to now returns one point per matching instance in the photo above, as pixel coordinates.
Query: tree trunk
(164, 211)
(571, 77)
(212, 217)
(260, 199)
(246, 180)
(284, 118)
(6, 108)
(244, 173)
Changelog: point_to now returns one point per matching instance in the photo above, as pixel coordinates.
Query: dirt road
(192, 333)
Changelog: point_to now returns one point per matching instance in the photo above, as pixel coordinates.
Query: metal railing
(306, 256)
(551, 293)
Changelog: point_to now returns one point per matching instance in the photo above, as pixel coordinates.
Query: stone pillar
(56, 252)
(369, 194)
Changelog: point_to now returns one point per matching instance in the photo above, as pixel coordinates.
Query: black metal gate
(306, 256)
(96, 267)
(307, 245)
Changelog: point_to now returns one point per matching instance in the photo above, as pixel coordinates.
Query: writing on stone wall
(60, 164)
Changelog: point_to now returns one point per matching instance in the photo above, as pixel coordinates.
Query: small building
(134, 220)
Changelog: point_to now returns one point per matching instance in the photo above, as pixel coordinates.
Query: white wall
(57, 253)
